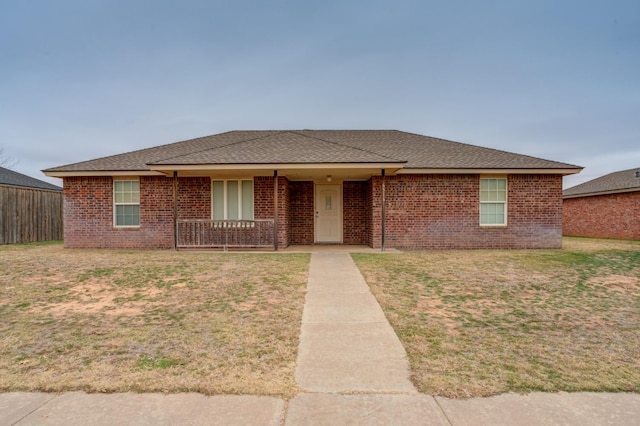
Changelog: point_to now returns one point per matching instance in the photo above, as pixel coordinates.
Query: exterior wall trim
(105, 173)
(564, 172)
(279, 166)
(595, 194)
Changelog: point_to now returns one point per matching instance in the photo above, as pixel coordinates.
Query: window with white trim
(126, 203)
(493, 201)
(232, 199)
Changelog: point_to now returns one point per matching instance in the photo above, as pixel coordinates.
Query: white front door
(328, 213)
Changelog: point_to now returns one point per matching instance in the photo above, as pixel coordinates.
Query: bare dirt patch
(149, 321)
(627, 284)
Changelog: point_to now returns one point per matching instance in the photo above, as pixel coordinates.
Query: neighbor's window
(232, 199)
(126, 200)
(493, 201)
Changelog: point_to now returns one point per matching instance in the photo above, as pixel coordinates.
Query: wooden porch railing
(193, 233)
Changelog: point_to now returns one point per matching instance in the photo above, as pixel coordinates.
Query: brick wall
(423, 211)
(354, 213)
(263, 197)
(373, 212)
(194, 198)
(301, 213)
(263, 204)
(283, 212)
(442, 212)
(88, 214)
(603, 216)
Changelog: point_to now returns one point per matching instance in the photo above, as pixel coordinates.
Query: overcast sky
(556, 79)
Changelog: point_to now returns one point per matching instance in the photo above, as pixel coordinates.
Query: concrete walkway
(346, 343)
(352, 369)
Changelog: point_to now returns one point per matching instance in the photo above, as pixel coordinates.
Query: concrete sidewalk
(77, 408)
(352, 369)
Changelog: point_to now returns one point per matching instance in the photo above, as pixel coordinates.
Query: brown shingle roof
(622, 181)
(317, 146)
(282, 147)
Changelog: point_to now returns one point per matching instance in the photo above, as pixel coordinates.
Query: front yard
(477, 323)
(474, 323)
(149, 321)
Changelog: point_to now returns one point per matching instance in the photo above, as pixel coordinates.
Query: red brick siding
(423, 211)
(301, 212)
(88, 211)
(442, 212)
(373, 213)
(263, 197)
(535, 212)
(354, 212)
(603, 216)
(263, 204)
(283, 212)
(194, 198)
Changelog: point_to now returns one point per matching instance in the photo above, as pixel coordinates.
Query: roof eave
(486, 171)
(593, 194)
(169, 168)
(75, 173)
(392, 167)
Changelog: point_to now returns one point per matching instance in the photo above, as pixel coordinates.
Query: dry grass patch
(149, 321)
(478, 323)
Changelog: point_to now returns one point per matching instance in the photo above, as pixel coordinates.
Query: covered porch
(290, 207)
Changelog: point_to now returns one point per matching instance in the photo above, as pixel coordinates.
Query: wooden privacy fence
(28, 215)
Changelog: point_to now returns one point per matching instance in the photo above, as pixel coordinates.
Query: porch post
(275, 210)
(384, 211)
(175, 210)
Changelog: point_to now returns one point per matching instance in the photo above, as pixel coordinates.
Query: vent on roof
(638, 173)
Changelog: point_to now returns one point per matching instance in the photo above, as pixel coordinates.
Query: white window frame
(505, 203)
(116, 204)
(226, 198)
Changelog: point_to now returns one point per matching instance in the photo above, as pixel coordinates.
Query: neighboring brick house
(605, 207)
(382, 188)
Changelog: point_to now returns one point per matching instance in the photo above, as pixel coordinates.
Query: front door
(328, 213)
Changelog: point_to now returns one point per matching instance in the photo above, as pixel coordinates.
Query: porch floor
(315, 248)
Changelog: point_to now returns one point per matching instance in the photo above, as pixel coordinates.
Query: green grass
(477, 323)
(149, 321)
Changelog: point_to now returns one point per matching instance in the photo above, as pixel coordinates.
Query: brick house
(605, 207)
(279, 188)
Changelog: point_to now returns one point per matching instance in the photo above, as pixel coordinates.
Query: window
(126, 200)
(493, 201)
(232, 199)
